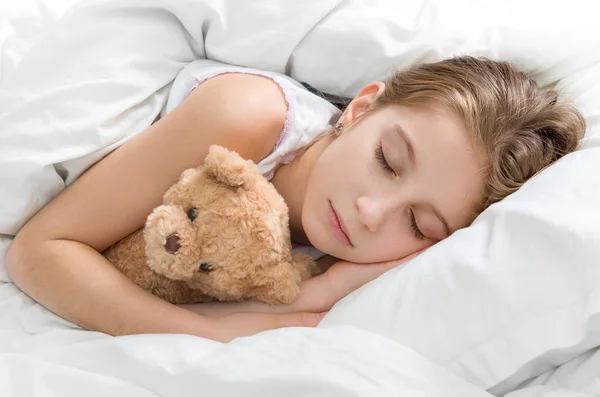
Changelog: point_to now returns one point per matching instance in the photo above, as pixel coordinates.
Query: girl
(408, 162)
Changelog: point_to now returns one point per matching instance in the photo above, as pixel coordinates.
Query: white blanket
(579, 377)
(41, 124)
(72, 91)
(293, 362)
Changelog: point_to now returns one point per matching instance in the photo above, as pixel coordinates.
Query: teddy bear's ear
(188, 175)
(230, 168)
(176, 189)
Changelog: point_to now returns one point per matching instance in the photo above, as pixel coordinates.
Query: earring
(338, 127)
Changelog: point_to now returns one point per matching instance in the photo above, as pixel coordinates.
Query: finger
(245, 324)
(393, 263)
(345, 277)
(301, 319)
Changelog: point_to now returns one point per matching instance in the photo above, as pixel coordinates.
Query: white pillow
(494, 302)
(517, 292)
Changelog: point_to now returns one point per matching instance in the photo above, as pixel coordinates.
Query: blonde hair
(519, 128)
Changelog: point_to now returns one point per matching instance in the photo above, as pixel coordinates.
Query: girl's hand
(317, 296)
(238, 325)
(320, 293)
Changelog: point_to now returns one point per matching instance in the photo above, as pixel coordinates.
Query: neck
(291, 180)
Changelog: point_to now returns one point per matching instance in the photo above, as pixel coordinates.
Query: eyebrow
(439, 215)
(409, 145)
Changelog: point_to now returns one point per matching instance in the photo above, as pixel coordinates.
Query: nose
(372, 212)
(172, 244)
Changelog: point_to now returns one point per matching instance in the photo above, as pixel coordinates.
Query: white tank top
(307, 115)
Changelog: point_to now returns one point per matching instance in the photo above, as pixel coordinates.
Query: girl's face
(392, 183)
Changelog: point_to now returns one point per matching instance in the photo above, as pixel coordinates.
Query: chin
(316, 235)
(312, 237)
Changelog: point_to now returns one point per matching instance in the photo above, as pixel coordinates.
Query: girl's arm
(317, 294)
(55, 258)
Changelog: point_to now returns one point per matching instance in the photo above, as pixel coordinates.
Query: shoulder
(244, 109)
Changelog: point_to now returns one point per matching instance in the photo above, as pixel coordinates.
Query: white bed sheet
(42, 354)
(579, 377)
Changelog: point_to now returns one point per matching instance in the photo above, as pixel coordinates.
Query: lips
(337, 227)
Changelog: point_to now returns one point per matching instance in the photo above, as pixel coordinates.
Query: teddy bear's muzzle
(172, 243)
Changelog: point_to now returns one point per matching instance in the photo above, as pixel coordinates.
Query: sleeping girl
(403, 165)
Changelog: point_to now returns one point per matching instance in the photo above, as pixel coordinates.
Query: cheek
(347, 161)
(324, 175)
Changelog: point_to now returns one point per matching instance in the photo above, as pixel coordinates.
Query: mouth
(337, 227)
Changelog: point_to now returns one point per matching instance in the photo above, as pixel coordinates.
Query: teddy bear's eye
(192, 214)
(205, 267)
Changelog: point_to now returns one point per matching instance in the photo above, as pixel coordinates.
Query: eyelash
(387, 168)
(414, 228)
(382, 160)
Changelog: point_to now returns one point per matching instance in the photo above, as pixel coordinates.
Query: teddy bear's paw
(280, 286)
(281, 294)
(305, 265)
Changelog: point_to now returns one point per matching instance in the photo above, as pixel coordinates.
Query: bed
(509, 306)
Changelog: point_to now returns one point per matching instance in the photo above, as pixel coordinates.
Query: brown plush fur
(241, 231)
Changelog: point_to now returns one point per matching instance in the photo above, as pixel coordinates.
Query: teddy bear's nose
(172, 245)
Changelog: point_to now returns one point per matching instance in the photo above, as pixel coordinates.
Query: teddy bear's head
(222, 228)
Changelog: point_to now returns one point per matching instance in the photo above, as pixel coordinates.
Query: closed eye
(414, 227)
(383, 163)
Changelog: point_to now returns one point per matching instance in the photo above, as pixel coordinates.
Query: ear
(186, 177)
(362, 102)
(230, 168)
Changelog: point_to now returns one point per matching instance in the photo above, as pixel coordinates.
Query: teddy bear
(222, 233)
